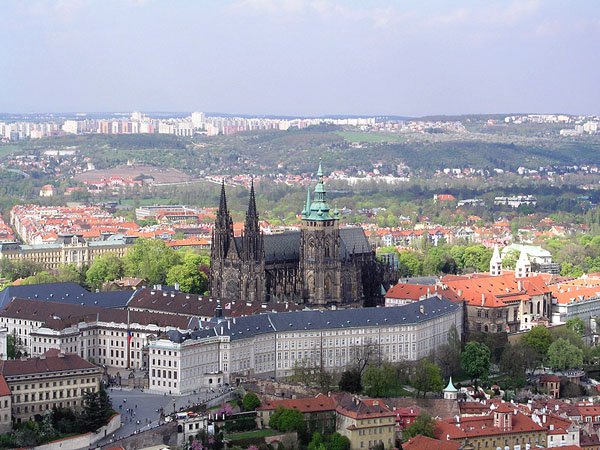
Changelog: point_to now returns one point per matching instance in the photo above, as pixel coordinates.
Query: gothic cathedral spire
(253, 239)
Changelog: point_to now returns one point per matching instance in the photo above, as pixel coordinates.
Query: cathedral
(321, 264)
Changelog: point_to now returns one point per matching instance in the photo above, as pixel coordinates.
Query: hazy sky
(300, 57)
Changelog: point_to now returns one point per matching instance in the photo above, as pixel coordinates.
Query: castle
(319, 265)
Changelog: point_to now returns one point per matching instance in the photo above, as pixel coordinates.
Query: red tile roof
(479, 426)
(304, 405)
(421, 442)
(44, 364)
(4, 389)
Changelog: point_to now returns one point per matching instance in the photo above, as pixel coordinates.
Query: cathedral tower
(222, 243)
(253, 255)
(320, 264)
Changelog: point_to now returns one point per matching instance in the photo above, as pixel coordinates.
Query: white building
(274, 344)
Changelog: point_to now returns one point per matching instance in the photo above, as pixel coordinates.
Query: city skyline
(300, 58)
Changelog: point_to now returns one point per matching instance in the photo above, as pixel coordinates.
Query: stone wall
(163, 435)
(83, 441)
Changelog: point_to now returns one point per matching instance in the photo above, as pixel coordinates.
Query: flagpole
(128, 341)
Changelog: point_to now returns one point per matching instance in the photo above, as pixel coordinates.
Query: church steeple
(223, 232)
(251, 215)
(252, 239)
(318, 209)
(222, 201)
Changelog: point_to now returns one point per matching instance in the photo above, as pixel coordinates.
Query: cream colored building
(112, 337)
(52, 380)
(272, 345)
(68, 249)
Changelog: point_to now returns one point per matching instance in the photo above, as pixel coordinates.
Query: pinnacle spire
(320, 171)
(223, 199)
(307, 204)
(252, 201)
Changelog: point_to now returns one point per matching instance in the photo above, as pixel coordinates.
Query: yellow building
(68, 249)
(53, 380)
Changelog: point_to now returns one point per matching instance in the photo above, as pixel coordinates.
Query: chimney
(459, 292)
(176, 286)
(421, 309)
(482, 299)
(520, 285)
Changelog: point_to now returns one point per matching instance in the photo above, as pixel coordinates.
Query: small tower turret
(523, 267)
(496, 263)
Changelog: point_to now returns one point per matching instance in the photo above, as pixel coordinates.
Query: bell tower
(253, 255)
(222, 241)
(320, 263)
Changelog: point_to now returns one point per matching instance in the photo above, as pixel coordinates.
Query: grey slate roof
(69, 293)
(282, 247)
(285, 247)
(354, 241)
(245, 327)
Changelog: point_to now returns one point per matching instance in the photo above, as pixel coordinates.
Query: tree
(338, 442)
(378, 381)
(538, 339)
(576, 325)
(475, 360)
(477, 257)
(188, 274)
(286, 420)
(150, 259)
(363, 355)
(250, 401)
(68, 273)
(427, 378)
(423, 424)
(447, 356)
(409, 264)
(316, 441)
(105, 268)
(564, 355)
(350, 381)
(14, 349)
(513, 362)
(97, 409)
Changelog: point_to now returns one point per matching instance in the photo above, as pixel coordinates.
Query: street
(141, 410)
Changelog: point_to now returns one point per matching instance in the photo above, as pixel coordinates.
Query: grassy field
(7, 149)
(357, 136)
(251, 434)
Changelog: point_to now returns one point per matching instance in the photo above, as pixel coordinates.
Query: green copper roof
(319, 208)
(450, 387)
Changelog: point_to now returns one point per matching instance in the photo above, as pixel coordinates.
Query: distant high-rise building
(198, 119)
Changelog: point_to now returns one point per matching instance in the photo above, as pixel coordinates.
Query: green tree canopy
(150, 259)
(564, 355)
(475, 360)
(538, 339)
(105, 268)
(378, 381)
(427, 377)
(576, 325)
(189, 274)
(350, 381)
(409, 264)
(250, 401)
(423, 424)
(288, 420)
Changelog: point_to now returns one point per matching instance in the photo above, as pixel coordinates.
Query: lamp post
(173, 405)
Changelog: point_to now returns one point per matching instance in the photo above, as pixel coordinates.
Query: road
(144, 407)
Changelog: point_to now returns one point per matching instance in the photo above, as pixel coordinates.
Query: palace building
(320, 264)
